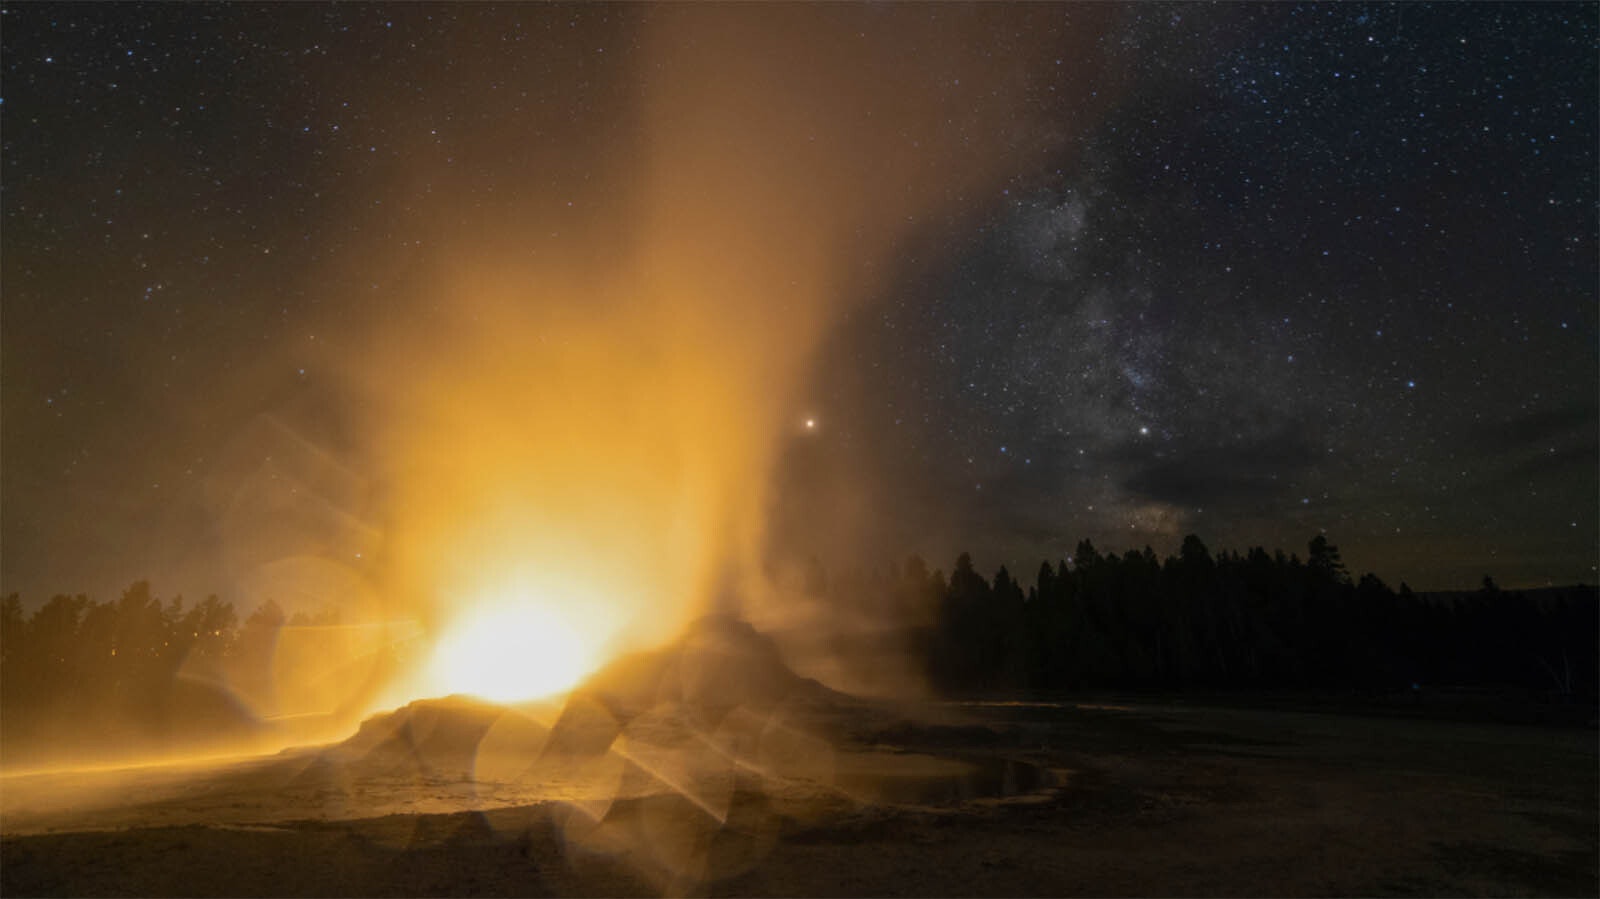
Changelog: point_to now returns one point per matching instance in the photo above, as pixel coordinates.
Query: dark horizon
(161, 673)
(854, 568)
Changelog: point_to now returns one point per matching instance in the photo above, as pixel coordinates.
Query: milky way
(1317, 270)
(1253, 272)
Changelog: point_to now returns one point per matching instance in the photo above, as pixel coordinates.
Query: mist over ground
(645, 449)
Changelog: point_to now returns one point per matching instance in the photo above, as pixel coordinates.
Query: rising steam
(556, 431)
(604, 423)
(573, 415)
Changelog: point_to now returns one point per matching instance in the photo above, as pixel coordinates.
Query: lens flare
(509, 651)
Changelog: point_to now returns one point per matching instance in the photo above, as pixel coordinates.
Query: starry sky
(1253, 272)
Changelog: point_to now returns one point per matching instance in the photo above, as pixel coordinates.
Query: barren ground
(1045, 799)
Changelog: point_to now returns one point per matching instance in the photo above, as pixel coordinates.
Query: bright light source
(811, 424)
(510, 651)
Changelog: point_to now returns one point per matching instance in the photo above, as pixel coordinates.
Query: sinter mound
(721, 665)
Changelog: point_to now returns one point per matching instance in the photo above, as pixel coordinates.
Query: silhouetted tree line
(142, 668)
(1253, 620)
(137, 669)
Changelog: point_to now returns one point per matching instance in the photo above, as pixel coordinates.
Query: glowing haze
(583, 442)
(516, 403)
(518, 334)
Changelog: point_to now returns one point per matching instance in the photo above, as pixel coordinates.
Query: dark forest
(1253, 621)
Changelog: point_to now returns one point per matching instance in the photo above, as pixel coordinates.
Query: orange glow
(542, 427)
(599, 398)
(511, 649)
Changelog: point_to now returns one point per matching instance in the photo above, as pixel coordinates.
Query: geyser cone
(588, 409)
(720, 663)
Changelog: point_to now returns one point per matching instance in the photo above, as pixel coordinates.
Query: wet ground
(976, 799)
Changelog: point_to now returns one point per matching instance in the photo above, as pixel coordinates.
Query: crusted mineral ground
(710, 768)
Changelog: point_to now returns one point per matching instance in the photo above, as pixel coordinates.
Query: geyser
(508, 652)
(572, 328)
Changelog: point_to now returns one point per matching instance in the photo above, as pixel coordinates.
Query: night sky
(1253, 272)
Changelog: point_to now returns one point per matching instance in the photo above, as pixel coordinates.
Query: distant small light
(811, 424)
(1144, 431)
